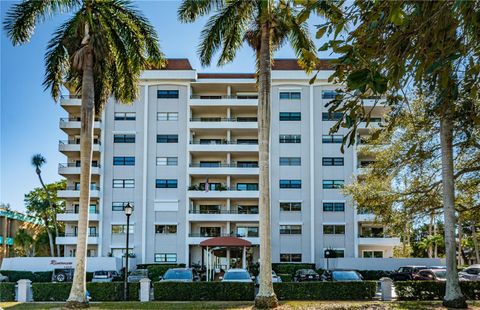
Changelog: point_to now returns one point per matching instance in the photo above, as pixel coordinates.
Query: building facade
(186, 156)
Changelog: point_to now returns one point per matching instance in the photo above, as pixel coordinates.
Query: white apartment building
(186, 156)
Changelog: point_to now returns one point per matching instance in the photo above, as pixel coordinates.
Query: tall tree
(265, 25)
(100, 50)
(387, 47)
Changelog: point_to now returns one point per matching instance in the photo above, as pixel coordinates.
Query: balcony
(374, 102)
(71, 103)
(74, 169)
(227, 193)
(73, 146)
(221, 145)
(71, 238)
(72, 125)
(74, 192)
(223, 169)
(223, 123)
(215, 101)
(196, 238)
(72, 216)
(222, 215)
(373, 239)
(374, 123)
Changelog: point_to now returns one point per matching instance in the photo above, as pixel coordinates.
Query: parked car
(105, 276)
(431, 275)
(341, 275)
(3, 278)
(63, 275)
(180, 275)
(237, 275)
(471, 273)
(137, 275)
(306, 275)
(437, 267)
(406, 273)
(275, 279)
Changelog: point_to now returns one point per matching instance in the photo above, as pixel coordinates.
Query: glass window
(165, 257)
(210, 231)
(328, 94)
(120, 206)
(290, 95)
(167, 116)
(122, 229)
(124, 116)
(165, 183)
(332, 161)
(124, 161)
(292, 258)
(290, 139)
(290, 116)
(165, 229)
(167, 94)
(247, 186)
(290, 183)
(290, 206)
(119, 138)
(336, 116)
(167, 138)
(167, 161)
(332, 138)
(290, 229)
(243, 232)
(372, 254)
(332, 184)
(334, 229)
(123, 183)
(290, 161)
(336, 253)
(333, 206)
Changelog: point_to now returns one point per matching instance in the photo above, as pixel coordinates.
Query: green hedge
(178, 291)
(286, 277)
(430, 290)
(110, 291)
(38, 276)
(325, 290)
(7, 291)
(290, 268)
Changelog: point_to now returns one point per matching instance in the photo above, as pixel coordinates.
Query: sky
(29, 118)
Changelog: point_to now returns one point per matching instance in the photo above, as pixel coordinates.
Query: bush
(158, 270)
(189, 291)
(326, 290)
(286, 277)
(109, 291)
(430, 290)
(38, 276)
(374, 275)
(290, 268)
(7, 291)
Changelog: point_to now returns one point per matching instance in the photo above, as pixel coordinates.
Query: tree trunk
(55, 224)
(50, 237)
(77, 298)
(475, 243)
(453, 295)
(460, 238)
(266, 297)
(430, 248)
(435, 249)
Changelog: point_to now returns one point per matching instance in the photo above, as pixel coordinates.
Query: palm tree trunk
(460, 238)
(77, 296)
(55, 224)
(430, 226)
(475, 243)
(50, 237)
(435, 249)
(266, 297)
(453, 295)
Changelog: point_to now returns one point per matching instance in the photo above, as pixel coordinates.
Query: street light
(128, 211)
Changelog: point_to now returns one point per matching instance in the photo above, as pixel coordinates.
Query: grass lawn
(284, 305)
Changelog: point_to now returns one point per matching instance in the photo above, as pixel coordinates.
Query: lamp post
(128, 211)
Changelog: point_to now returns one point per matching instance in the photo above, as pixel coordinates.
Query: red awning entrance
(226, 242)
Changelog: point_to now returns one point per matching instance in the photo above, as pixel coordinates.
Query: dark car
(306, 275)
(62, 275)
(406, 273)
(431, 275)
(341, 275)
(180, 275)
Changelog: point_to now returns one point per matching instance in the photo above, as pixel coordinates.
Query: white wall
(49, 263)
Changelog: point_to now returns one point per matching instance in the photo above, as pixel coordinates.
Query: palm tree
(38, 161)
(100, 51)
(24, 243)
(265, 26)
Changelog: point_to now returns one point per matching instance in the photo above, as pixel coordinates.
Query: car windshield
(177, 274)
(441, 274)
(139, 273)
(236, 275)
(100, 273)
(345, 275)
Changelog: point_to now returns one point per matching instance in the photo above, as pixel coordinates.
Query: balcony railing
(221, 119)
(76, 211)
(222, 188)
(75, 188)
(220, 141)
(76, 235)
(223, 165)
(374, 236)
(76, 119)
(223, 97)
(75, 165)
(77, 142)
(194, 211)
(200, 235)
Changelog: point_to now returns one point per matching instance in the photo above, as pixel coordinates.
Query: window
(328, 94)
(167, 94)
(120, 205)
(243, 232)
(210, 231)
(167, 161)
(92, 231)
(332, 139)
(247, 186)
(334, 207)
(92, 208)
(332, 184)
(372, 254)
(290, 116)
(167, 116)
(123, 161)
(290, 183)
(165, 229)
(335, 253)
(334, 229)
(164, 183)
(123, 183)
(336, 116)
(167, 138)
(290, 206)
(124, 116)
(332, 161)
(290, 161)
(165, 258)
(124, 138)
(290, 229)
(291, 258)
(247, 164)
(122, 229)
(290, 139)
(290, 95)
(247, 209)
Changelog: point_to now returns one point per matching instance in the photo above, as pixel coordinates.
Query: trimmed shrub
(42, 276)
(158, 270)
(14, 275)
(431, 290)
(290, 268)
(374, 275)
(7, 291)
(190, 291)
(109, 291)
(286, 277)
(326, 290)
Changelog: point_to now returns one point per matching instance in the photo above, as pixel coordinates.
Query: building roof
(226, 75)
(292, 64)
(226, 241)
(177, 64)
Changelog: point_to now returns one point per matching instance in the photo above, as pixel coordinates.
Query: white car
(237, 275)
(3, 278)
(471, 273)
(275, 279)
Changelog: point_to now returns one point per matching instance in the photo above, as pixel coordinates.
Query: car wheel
(61, 277)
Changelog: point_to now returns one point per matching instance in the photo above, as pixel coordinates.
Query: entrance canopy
(226, 242)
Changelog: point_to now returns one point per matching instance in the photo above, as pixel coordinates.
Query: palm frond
(302, 44)
(38, 160)
(190, 10)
